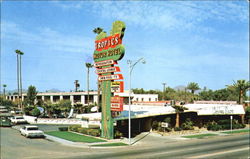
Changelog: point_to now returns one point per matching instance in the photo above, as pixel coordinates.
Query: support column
(83, 99)
(43, 98)
(61, 97)
(51, 99)
(95, 99)
(71, 99)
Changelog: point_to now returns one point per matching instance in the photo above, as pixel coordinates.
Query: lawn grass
(112, 144)
(74, 137)
(200, 136)
(236, 131)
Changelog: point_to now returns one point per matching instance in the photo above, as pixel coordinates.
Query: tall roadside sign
(109, 50)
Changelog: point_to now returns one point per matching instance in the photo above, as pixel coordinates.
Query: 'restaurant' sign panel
(116, 103)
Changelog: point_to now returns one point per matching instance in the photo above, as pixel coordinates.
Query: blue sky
(195, 41)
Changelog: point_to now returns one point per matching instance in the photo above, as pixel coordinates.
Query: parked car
(31, 131)
(18, 120)
(5, 119)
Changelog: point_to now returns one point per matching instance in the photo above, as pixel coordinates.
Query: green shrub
(95, 132)
(155, 125)
(213, 126)
(63, 128)
(177, 129)
(87, 131)
(118, 134)
(167, 120)
(74, 128)
(168, 129)
(188, 125)
(35, 112)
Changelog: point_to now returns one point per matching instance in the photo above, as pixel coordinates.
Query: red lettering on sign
(108, 42)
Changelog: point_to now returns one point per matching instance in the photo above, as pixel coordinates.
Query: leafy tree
(247, 115)
(64, 106)
(8, 103)
(178, 109)
(28, 109)
(206, 95)
(48, 106)
(31, 95)
(35, 112)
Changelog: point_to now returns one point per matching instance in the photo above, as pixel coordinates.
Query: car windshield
(19, 118)
(32, 128)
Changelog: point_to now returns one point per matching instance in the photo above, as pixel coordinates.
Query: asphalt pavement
(151, 145)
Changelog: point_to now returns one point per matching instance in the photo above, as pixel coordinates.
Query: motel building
(145, 109)
(82, 97)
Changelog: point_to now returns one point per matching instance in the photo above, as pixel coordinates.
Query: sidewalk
(145, 138)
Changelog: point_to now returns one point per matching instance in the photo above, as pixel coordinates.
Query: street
(13, 145)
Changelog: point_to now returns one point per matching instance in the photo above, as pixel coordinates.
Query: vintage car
(18, 120)
(5, 119)
(31, 131)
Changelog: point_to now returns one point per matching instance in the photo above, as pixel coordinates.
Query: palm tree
(241, 86)
(193, 87)
(88, 65)
(19, 74)
(178, 109)
(97, 30)
(4, 86)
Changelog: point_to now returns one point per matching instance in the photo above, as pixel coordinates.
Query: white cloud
(46, 37)
(180, 15)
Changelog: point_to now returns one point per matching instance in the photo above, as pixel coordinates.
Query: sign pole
(231, 118)
(108, 50)
(129, 111)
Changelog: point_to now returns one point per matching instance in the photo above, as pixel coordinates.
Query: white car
(31, 131)
(18, 120)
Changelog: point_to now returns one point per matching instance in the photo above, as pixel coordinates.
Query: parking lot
(14, 145)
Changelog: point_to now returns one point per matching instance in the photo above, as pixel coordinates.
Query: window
(149, 99)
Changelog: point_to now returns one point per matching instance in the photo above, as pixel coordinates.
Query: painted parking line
(219, 153)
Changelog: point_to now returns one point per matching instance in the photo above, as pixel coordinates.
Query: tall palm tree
(19, 75)
(193, 87)
(178, 109)
(97, 30)
(88, 65)
(241, 86)
(4, 86)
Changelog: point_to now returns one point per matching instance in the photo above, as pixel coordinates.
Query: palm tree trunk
(18, 89)
(21, 92)
(177, 121)
(241, 97)
(88, 85)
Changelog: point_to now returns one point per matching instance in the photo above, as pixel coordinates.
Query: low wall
(59, 121)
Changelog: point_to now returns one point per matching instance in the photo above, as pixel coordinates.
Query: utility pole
(163, 92)
(88, 65)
